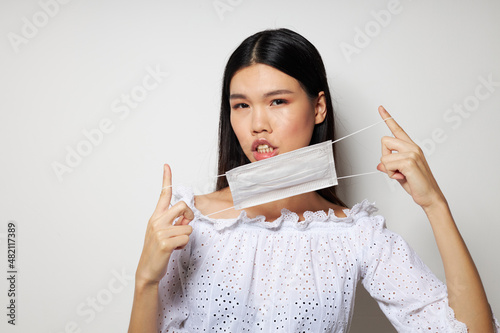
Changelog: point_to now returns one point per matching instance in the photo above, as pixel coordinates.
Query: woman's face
(270, 112)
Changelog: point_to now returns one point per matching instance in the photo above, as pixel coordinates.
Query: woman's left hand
(404, 161)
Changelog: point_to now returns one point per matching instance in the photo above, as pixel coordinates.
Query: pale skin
(269, 104)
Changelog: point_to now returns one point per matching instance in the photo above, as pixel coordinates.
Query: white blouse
(249, 275)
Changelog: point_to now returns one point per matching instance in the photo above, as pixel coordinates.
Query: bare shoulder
(337, 209)
(214, 202)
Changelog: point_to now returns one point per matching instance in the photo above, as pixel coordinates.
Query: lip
(260, 156)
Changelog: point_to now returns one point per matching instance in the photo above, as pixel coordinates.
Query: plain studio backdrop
(97, 95)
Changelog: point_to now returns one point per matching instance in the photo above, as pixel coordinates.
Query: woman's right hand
(162, 236)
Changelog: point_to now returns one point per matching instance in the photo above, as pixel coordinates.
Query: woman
(292, 265)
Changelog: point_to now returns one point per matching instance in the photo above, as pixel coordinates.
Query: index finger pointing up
(166, 191)
(396, 130)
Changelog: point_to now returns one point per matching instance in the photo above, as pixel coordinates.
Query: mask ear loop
(361, 130)
(343, 177)
(170, 186)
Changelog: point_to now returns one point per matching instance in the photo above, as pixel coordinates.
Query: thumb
(397, 175)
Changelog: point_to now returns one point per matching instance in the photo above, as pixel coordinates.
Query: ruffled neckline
(287, 218)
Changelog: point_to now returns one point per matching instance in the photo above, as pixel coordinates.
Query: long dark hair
(295, 56)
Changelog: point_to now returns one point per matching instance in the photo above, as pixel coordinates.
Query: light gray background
(77, 233)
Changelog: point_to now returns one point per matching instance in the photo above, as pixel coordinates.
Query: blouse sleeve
(410, 295)
(172, 303)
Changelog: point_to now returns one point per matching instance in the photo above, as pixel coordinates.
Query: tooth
(263, 149)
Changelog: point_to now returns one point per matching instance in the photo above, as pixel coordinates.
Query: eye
(240, 106)
(278, 101)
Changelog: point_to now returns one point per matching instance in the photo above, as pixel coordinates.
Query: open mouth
(262, 149)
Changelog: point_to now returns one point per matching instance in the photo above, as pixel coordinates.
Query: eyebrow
(268, 94)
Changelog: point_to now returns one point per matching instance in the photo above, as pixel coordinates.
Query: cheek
(299, 130)
(237, 128)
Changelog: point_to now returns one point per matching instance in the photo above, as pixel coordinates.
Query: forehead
(259, 79)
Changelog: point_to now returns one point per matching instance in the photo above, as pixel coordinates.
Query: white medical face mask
(300, 171)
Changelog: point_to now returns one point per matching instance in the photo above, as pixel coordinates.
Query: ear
(320, 108)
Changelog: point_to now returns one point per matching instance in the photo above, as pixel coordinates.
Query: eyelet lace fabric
(249, 275)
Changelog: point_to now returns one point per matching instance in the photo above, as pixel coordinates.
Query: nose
(260, 120)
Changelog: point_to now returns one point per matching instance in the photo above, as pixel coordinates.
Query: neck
(311, 201)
